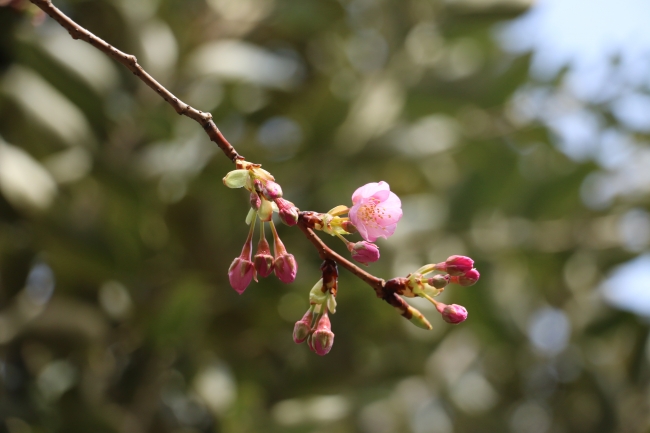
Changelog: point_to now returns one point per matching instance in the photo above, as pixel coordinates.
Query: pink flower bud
(302, 328)
(257, 185)
(271, 190)
(241, 270)
(456, 265)
(288, 212)
(240, 274)
(263, 259)
(364, 252)
(285, 267)
(255, 200)
(322, 340)
(439, 281)
(453, 313)
(469, 279)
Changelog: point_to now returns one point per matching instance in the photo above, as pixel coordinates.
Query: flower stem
(345, 241)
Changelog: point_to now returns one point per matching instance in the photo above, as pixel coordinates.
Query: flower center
(371, 215)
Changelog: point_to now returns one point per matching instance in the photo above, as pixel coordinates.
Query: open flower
(375, 211)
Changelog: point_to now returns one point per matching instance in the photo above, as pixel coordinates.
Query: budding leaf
(251, 214)
(331, 304)
(316, 295)
(236, 178)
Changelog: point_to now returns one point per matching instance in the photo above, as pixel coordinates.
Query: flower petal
(388, 215)
(382, 195)
(368, 190)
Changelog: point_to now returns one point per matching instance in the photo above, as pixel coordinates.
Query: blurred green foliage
(108, 193)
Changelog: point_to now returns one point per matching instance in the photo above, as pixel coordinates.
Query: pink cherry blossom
(375, 211)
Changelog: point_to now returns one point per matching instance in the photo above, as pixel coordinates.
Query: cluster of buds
(315, 326)
(265, 198)
(266, 194)
(374, 213)
(459, 270)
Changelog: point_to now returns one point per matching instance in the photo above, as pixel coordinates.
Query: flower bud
(322, 339)
(271, 190)
(263, 259)
(288, 212)
(456, 265)
(439, 281)
(255, 200)
(257, 186)
(469, 279)
(236, 178)
(240, 274)
(302, 328)
(285, 267)
(364, 252)
(453, 313)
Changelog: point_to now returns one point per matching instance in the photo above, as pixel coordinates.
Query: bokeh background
(514, 131)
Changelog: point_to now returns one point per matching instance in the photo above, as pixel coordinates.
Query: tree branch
(203, 118)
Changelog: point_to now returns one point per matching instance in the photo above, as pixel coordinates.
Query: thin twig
(203, 118)
(326, 252)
